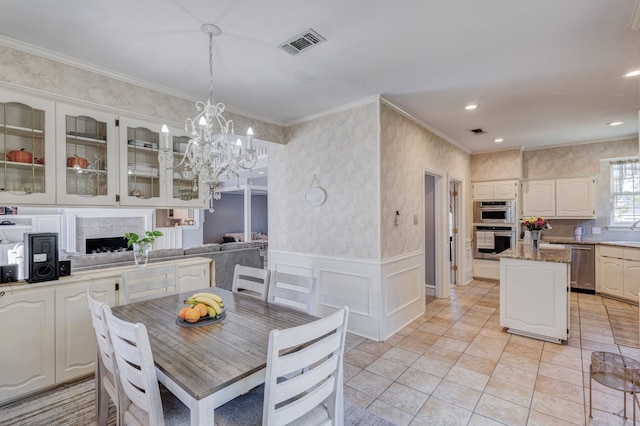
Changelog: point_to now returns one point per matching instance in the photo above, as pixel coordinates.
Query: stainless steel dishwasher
(583, 266)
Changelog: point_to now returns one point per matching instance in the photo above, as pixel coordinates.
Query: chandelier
(210, 153)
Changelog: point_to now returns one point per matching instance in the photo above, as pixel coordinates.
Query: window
(625, 192)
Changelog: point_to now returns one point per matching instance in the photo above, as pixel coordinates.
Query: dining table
(205, 366)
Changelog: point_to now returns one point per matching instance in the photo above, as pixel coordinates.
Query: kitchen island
(534, 292)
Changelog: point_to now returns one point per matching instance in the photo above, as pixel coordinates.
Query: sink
(625, 243)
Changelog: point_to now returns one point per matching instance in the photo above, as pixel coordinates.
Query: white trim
(341, 108)
(425, 125)
(441, 243)
(462, 228)
(325, 257)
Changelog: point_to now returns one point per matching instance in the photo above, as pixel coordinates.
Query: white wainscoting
(382, 297)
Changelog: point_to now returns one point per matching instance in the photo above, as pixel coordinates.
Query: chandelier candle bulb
(249, 138)
(165, 136)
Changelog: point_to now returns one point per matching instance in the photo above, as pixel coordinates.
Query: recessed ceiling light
(498, 140)
(633, 73)
(260, 173)
(471, 106)
(615, 123)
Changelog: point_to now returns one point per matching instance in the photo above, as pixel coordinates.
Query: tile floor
(455, 365)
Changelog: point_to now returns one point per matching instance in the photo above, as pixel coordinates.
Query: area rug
(74, 404)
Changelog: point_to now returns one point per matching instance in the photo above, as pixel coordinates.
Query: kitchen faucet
(634, 224)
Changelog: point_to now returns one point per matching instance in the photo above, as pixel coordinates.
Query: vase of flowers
(141, 246)
(535, 225)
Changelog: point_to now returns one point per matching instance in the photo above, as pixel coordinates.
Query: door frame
(441, 229)
(461, 243)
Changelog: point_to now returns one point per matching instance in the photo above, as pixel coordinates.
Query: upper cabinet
(27, 149)
(500, 190)
(562, 198)
(141, 180)
(183, 186)
(87, 144)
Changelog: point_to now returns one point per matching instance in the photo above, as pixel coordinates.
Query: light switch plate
(595, 230)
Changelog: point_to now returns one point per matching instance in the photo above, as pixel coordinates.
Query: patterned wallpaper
(498, 165)
(405, 150)
(34, 72)
(342, 151)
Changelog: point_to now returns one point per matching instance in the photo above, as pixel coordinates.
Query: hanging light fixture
(210, 154)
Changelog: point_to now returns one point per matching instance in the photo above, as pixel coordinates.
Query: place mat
(201, 322)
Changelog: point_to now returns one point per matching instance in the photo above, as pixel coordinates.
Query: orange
(192, 315)
(202, 308)
(182, 313)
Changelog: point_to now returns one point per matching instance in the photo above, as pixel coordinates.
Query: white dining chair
(315, 394)
(107, 383)
(295, 291)
(149, 282)
(251, 281)
(138, 379)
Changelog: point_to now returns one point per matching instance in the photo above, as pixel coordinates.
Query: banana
(209, 295)
(206, 297)
(207, 302)
(211, 312)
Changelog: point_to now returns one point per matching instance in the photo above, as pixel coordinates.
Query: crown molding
(634, 24)
(341, 108)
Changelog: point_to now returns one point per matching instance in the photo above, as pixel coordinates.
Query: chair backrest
(149, 282)
(251, 281)
(319, 364)
(137, 372)
(295, 291)
(106, 368)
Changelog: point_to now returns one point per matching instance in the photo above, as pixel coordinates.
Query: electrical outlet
(325, 297)
(595, 230)
(415, 219)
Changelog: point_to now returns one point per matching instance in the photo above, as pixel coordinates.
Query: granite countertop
(524, 252)
(571, 240)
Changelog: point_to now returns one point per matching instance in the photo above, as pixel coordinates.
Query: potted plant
(141, 246)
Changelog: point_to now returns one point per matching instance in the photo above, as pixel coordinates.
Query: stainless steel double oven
(494, 228)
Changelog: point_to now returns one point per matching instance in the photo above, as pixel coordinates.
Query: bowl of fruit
(203, 309)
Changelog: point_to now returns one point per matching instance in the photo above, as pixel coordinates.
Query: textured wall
(342, 150)
(575, 160)
(34, 72)
(497, 165)
(405, 150)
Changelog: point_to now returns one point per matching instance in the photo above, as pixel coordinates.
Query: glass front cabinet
(184, 188)
(27, 150)
(86, 156)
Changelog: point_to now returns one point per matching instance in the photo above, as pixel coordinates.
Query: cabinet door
(575, 197)
(27, 150)
(483, 191)
(194, 277)
(142, 183)
(27, 336)
(86, 145)
(539, 198)
(506, 190)
(75, 339)
(183, 188)
(611, 276)
(631, 279)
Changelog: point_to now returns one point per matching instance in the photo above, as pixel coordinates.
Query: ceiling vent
(302, 41)
(477, 131)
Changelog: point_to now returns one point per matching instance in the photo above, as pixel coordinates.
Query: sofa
(226, 256)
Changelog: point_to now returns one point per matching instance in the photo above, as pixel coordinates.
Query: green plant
(150, 237)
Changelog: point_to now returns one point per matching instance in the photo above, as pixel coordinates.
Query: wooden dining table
(207, 366)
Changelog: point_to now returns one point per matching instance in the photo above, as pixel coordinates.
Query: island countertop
(524, 252)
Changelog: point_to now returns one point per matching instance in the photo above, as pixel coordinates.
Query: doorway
(453, 232)
(436, 243)
(430, 234)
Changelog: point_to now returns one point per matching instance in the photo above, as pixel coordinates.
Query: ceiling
(542, 73)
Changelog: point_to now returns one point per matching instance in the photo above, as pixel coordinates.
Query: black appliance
(9, 273)
(490, 241)
(64, 268)
(40, 257)
(494, 211)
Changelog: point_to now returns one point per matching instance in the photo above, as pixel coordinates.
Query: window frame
(634, 193)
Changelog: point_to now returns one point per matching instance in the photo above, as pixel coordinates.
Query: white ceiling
(543, 72)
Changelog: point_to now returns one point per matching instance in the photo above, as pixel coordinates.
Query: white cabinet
(575, 197)
(27, 335)
(75, 340)
(499, 190)
(539, 198)
(27, 149)
(618, 272)
(194, 277)
(564, 198)
(534, 298)
(86, 145)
